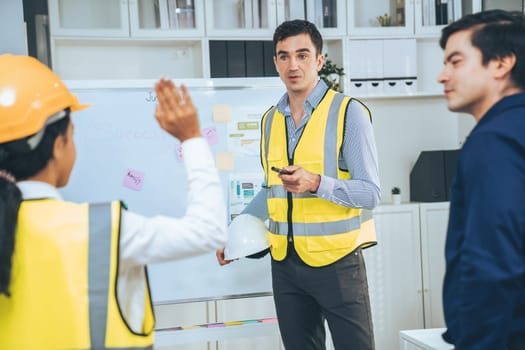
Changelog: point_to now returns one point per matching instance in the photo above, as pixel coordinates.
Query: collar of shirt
(38, 190)
(311, 102)
(507, 102)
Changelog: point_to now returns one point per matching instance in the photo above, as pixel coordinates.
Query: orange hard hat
(30, 93)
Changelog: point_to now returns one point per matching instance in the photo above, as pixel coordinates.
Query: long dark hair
(22, 162)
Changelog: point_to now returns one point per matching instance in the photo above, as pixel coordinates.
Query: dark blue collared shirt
(484, 288)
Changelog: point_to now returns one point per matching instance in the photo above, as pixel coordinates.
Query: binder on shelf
(218, 59)
(268, 53)
(457, 10)
(309, 10)
(441, 12)
(358, 70)
(254, 59)
(238, 58)
(256, 14)
(399, 66)
(236, 62)
(172, 14)
(429, 12)
(374, 67)
(318, 14)
(400, 13)
(329, 14)
(181, 14)
(249, 14)
(450, 12)
(432, 175)
(159, 16)
(247, 18)
(297, 9)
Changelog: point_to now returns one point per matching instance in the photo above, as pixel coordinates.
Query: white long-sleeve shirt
(145, 240)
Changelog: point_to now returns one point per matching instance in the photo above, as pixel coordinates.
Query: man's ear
(320, 62)
(504, 65)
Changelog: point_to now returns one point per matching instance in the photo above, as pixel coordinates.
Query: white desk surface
(429, 339)
(198, 334)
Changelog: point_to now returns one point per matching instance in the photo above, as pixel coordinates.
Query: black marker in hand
(281, 171)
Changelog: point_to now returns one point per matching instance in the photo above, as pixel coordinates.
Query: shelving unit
(152, 38)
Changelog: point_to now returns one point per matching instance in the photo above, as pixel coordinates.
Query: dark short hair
(497, 34)
(296, 27)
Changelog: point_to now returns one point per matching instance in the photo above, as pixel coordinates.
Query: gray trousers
(305, 296)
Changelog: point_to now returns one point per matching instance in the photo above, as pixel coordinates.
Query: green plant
(396, 190)
(384, 20)
(331, 74)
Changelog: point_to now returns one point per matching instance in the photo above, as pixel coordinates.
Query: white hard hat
(246, 236)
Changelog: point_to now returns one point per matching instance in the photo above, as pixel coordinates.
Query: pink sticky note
(134, 179)
(267, 320)
(210, 134)
(178, 152)
(216, 325)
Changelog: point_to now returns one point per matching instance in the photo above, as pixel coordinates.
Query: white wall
(12, 27)
(403, 128)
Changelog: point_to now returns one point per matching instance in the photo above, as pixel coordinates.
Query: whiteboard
(119, 134)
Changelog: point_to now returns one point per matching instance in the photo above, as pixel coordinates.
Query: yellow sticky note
(190, 327)
(234, 323)
(224, 161)
(222, 113)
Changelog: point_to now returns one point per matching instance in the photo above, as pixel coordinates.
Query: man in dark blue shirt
(484, 287)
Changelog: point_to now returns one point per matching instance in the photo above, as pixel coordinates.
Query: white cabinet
(89, 18)
(510, 5)
(405, 17)
(420, 21)
(406, 269)
(105, 39)
(145, 39)
(166, 18)
(126, 18)
(224, 331)
(380, 17)
(394, 274)
(434, 220)
(424, 339)
(256, 18)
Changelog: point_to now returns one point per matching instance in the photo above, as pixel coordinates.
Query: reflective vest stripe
(278, 191)
(98, 271)
(330, 142)
(99, 264)
(267, 127)
(313, 229)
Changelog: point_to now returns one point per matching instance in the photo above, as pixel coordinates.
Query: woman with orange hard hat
(73, 275)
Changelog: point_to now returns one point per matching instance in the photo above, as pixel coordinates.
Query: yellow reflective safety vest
(323, 232)
(63, 281)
